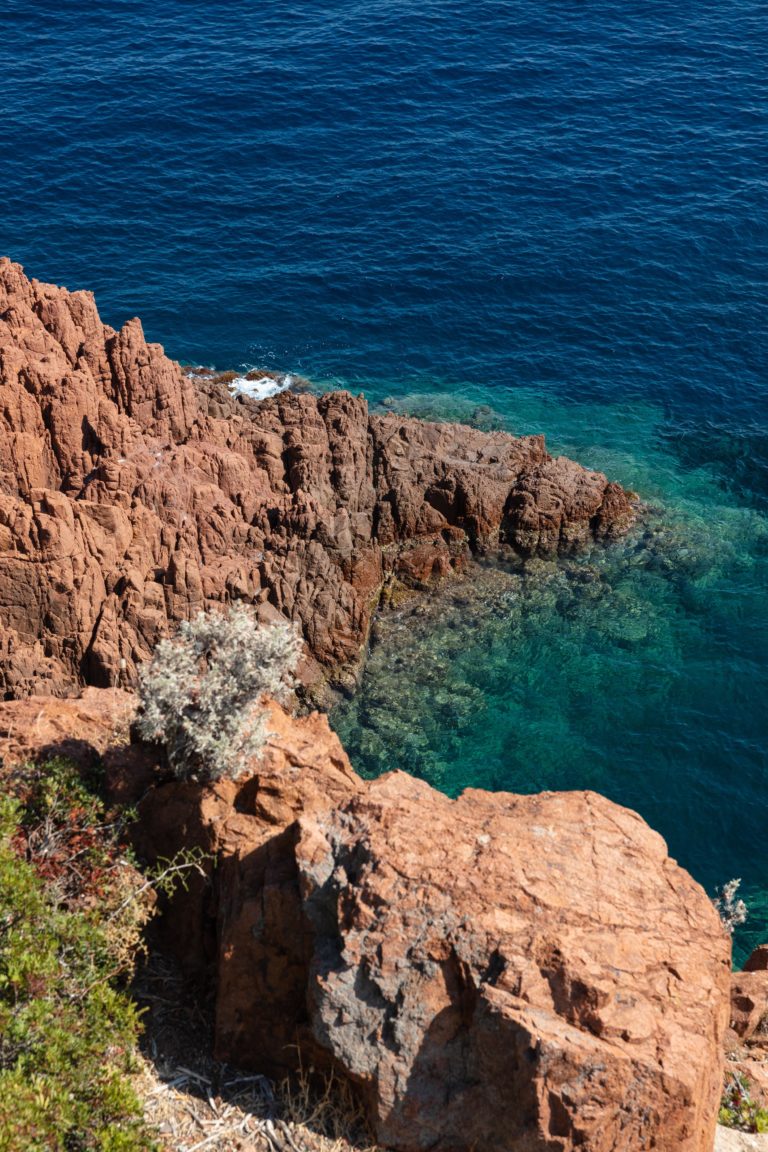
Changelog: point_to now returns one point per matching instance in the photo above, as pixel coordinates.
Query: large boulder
(498, 972)
(513, 972)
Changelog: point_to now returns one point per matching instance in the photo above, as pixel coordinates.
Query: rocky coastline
(131, 497)
(496, 971)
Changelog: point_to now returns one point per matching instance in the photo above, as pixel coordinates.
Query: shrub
(67, 1032)
(731, 909)
(73, 907)
(739, 1110)
(200, 693)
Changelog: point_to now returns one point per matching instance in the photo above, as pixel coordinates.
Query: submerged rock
(495, 972)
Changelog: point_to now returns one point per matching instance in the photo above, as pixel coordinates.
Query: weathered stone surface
(495, 972)
(508, 972)
(729, 1140)
(131, 497)
(749, 1003)
(80, 728)
(247, 927)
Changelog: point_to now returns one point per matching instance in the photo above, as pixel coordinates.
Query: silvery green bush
(731, 909)
(200, 692)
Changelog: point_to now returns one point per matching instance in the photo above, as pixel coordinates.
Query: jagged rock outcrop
(131, 497)
(492, 972)
(498, 972)
(244, 931)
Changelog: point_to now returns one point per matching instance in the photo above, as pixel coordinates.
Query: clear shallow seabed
(547, 217)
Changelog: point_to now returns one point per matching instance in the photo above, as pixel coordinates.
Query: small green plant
(200, 694)
(73, 907)
(739, 1110)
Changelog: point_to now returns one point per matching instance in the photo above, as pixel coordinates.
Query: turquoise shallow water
(637, 670)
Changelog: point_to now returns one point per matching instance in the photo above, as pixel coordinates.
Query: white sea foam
(261, 388)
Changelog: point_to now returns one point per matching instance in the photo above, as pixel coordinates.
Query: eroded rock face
(81, 728)
(499, 972)
(131, 497)
(244, 930)
(749, 1002)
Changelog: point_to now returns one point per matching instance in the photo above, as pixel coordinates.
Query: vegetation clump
(731, 908)
(201, 692)
(739, 1110)
(72, 906)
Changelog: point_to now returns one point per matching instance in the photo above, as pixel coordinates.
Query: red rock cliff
(131, 497)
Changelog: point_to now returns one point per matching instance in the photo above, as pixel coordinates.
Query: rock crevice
(499, 972)
(496, 972)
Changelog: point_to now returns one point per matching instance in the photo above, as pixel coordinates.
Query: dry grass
(193, 1103)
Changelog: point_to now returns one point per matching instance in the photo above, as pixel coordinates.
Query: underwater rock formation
(496, 971)
(132, 496)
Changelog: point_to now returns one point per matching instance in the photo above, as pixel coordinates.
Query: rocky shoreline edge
(132, 497)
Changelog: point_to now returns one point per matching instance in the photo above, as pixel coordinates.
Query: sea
(541, 216)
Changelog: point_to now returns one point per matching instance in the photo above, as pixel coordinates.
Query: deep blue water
(552, 216)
